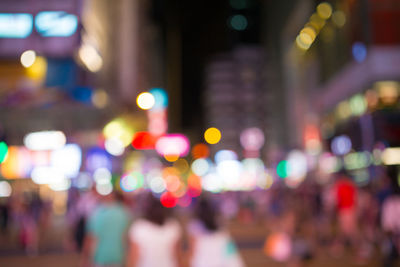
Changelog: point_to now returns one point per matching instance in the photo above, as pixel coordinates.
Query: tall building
(235, 95)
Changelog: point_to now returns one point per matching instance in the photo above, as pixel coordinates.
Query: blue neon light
(56, 23)
(18, 25)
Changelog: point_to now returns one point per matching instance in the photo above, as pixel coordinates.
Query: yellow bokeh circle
(212, 135)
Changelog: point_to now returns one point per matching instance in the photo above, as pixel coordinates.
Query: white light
(212, 182)
(47, 140)
(67, 160)
(90, 57)
(229, 171)
(56, 23)
(114, 146)
(252, 139)
(83, 181)
(157, 185)
(253, 174)
(28, 58)
(341, 145)
(173, 144)
(200, 167)
(104, 189)
(5, 189)
(145, 100)
(102, 176)
(46, 175)
(297, 165)
(61, 185)
(225, 155)
(391, 156)
(329, 163)
(15, 25)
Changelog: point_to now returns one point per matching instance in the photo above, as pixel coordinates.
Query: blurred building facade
(236, 97)
(340, 63)
(84, 78)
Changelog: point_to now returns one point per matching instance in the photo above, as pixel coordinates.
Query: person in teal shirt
(107, 234)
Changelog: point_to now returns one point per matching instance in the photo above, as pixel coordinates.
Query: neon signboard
(18, 25)
(56, 23)
(47, 24)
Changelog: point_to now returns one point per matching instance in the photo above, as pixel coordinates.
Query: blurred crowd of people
(339, 218)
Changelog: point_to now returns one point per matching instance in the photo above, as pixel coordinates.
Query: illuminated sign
(56, 23)
(17, 25)
(173, 144)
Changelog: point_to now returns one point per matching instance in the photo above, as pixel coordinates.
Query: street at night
(214, 133)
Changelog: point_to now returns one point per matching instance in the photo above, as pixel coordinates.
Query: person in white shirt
(210, 245)
(155, 239)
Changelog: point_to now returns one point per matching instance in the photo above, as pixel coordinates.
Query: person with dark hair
(155, 239)
(210, 245)
(390, 220)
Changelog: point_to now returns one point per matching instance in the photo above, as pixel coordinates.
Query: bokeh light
(46, 140)
(90, 57)
(200, 167)
(297, 162)
(5, 189)
(145, 100)
(282, 169)
(97, 158)
(252, 139)
(28, 58)
(144, 141)
(17, 164)
(339, 18)
(359, 51)
(46, 175)
(278, 246)
(239, 22)
(104, 189)
(391, 156)
(160, 98)
(173, 144)
(168, 200)
(212, 135)
(157, 185)
(102, 176)
(200, 151)
(3, 151)
(341, 145)
(181, 165)
(171, 157)
(358, 104)
(38, 70)
(114, 146)
(388, 91)
(121, 129)
(324, 10)
(100, 99)
(132, 181)
(223, 155)
(67, 159)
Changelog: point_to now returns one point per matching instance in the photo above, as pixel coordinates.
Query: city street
(248, 237)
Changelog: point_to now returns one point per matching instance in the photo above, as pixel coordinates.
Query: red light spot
(168, 200)
(200, 151)
(144, 140)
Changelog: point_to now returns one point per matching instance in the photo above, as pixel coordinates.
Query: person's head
(154, 211)
(392, 173)
(207, 214)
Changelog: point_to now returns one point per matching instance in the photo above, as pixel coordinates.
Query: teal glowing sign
(17, 25)
(56, 23)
